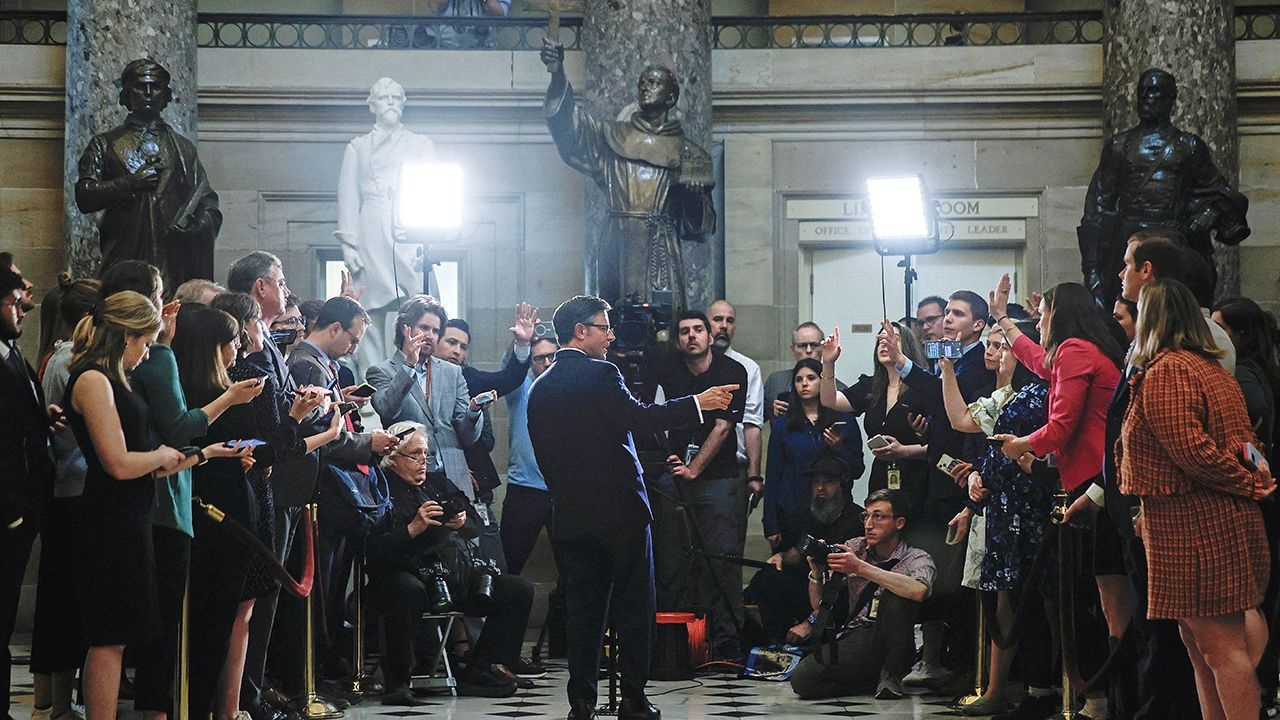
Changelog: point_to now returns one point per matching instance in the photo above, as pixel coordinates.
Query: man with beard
(706, 482)
(25, 464)
(887, 580)
(783, 594)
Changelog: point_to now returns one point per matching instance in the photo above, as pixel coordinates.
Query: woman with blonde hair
(114, 565)
(1181, 450)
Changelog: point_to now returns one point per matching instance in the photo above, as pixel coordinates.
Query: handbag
(352, 502)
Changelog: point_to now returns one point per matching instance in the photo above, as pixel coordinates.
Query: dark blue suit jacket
(580, 420)
(975, 381)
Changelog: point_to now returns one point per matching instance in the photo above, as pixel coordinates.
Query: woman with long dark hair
(1181, 451)
(207, 346)
(889, 408)
(1080, 356)
(115, 566)
(796, 439)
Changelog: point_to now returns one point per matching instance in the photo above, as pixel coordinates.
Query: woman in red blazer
(1080, 356)
(1181, 450)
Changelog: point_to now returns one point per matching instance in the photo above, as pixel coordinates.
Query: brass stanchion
(315, 707)
(980, 671)
(362, 683)
(1060, 504)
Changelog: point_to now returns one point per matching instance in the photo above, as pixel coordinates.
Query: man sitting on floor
(887, 580)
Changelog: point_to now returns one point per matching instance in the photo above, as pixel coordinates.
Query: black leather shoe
(580, 710)
(402, 697)
(639, 709)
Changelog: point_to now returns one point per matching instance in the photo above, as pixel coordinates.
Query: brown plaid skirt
(1206, 554)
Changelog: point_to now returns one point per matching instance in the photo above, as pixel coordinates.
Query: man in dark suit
(580, 420)
(964, 319)
(25, 464)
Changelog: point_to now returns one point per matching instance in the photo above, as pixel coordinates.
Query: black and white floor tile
(708, 697)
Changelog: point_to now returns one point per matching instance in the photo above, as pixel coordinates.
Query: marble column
(620, 38)
(1194, 40)
(102, 37)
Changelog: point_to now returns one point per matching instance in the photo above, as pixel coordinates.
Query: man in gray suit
(413, 385)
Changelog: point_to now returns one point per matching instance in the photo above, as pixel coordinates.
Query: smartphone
(484, 400)
(364, 390)
(875, 442)
(947, 463)
(406, 433)
(344, 407)
(251, 442)
(953, 533)
(1251, 457)
(950, 349)
(995, 442)
(838, 426)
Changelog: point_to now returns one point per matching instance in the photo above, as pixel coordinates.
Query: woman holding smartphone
(796, 440)
(115, 566)
(1182, 450)
(208, 347)
(888, 409)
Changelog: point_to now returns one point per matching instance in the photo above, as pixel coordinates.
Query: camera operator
(782, 595)
(878, 642)
(413, 569)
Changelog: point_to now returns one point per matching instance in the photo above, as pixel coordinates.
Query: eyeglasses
(540, 359)
(806, 345)
(930, 319)
(354, 340)
(876, 517)
(420, 458)
(293, 321)
(607, 328)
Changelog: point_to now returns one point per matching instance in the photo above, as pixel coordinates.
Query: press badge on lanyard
(875, 607)
(895, 478)
(483, 511)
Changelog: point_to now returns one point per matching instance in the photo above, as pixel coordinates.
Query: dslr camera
(436, 577)
(811, 547)
(480, 592)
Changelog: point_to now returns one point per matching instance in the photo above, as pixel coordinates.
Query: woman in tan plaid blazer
(1181, 450)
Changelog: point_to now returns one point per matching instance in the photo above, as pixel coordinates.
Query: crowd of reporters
(1153, 419)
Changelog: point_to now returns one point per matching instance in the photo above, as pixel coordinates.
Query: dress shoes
(638, 709)
(402, 697)
(580, 710)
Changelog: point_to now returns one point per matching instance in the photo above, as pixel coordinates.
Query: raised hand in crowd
(1033, 304)
(977, 491)
(998, 298)
(526, 323)
(383, 442)
(414, 343)
(348, 287)
(829, 350)
(889, 338)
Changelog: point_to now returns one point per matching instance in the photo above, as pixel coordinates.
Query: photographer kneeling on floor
(416, 565)
(783, 594)
(887, 580)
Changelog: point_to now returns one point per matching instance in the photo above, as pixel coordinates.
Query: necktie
(20, 368)
(346, 419)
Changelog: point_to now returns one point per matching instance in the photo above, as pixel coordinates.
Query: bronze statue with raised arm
(657, 182)
(1154, 176)
(155, 196)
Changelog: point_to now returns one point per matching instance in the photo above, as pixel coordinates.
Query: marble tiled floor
(708, 697)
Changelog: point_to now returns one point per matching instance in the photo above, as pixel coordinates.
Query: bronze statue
(158, 206)
(657, 182)
(1154, 176)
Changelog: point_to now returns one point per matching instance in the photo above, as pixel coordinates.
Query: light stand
(904, 221)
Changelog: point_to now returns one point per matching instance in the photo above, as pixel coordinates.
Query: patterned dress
(1018, 506)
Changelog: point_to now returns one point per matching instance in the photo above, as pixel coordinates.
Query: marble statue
(155, 196)
(367, 187)
(657, 182)
(1154, 176)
